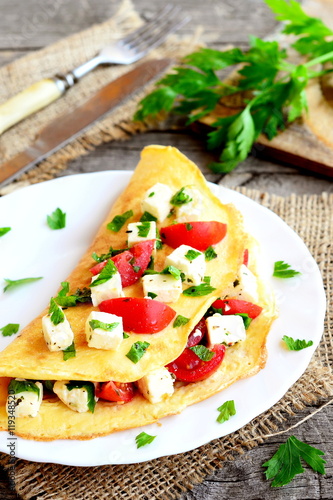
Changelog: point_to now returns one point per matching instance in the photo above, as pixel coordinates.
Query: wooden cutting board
(306, 143)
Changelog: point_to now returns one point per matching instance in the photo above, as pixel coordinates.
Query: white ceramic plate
(32, 249)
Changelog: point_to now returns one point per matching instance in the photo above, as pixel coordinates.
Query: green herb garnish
(17, 386)
(226, 410)
(202, 352)
(283, 270)
(125, 335)
(119, 220)
(180, 321)
(199, 290)
(10, 329)
(147, 217)
(180, 198)
(192, 254)
(210, 254)
(69, 352)
(296, 344)
(4, 230)
(57, 220)
(108, 271)
(207, 279)
(188, 226)
(107, 327)
(105, 256)
(151, 194)
(143, 229)
(89, 387)
(152, 295)
(56, 313)
(143, 438)
(286, 462)
(14, 283)
(246, 319)
(64, 299)
(137, 351)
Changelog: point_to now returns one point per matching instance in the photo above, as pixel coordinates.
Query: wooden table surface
(27, 26)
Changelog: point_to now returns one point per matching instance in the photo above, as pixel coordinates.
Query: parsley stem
(320, 59)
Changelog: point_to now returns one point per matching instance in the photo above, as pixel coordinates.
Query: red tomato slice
(140, 315)
(237, 306)
(197, 334)
(199, 235)
(140, 253)
(246, 257)
(115, 391)
(190, 368)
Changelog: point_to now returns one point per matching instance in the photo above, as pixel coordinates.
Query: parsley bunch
(270, 88)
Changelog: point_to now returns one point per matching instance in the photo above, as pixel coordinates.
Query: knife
(61, 131)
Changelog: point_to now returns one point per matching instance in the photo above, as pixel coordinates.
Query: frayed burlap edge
(168, 477)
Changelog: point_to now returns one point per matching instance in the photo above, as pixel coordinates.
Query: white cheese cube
(147, 230)
(194, 270)
(248, 286)
(76, 399)
(104, 339)
(225, 329)
(164, 286)
(157, 201)
(157, 385)
(111, 289)
(25, 403)
(57, 337)
(190, 211)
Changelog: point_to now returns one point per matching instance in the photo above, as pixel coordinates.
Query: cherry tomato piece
(140, 315)
(190, 368)
(197, 334)
(246, 257)
(235, 306)
(199, 235)
(131, 264)
(115, 391)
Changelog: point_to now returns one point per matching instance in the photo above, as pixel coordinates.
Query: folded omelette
(200, 258)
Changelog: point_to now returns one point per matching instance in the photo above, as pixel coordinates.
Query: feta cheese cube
(76, 399)
(25, 403)
(57, 337)
(225, 329)
(247, 288)
(190, 211)
(194, 270)
(157, 385)
(100, 338)
(164, 286)
(157, 201)
(140, 231)
(111, 289)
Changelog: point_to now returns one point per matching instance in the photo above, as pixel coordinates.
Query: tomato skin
(201, 235)
(246, 257)
(140, 315)
(190, 368)
(238, 306)
(115, 391)
(195, 339)
(141, 253)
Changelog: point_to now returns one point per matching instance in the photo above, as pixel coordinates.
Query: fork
(125, 51)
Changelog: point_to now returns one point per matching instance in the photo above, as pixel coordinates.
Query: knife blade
(69, 126)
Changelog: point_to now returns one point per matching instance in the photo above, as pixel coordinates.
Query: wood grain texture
(24, 26)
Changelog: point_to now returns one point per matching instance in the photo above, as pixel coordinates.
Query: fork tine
(155, 19)
(158, 38)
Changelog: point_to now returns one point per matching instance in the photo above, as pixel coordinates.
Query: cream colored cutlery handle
(28, 101)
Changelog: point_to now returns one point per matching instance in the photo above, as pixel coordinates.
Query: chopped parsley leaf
(106, 274)
(14, 283)
(69, 352)
(152, 295)
(107, 327)
(56, 313)
(17, 386)
(226, 410)
(188, 226)
(57, 220)
(63, 298)
(89, 387)
(296, 344)
(4, 230)
(137, 351)
(180, 321)
(192, 254)
(136, 269)
(202, 352)
(147, 217)
(210, 254)
(143, 438)
(125, 335)
(104, 256)
(207, 279)
(180, 198)
(199, 290)
(119, 220)
(151, 194)
(283, 270)
(246, 319)
(143, 229)
(10, 329)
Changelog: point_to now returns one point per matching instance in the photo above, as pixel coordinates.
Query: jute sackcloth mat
(61, 57)
(311, 216)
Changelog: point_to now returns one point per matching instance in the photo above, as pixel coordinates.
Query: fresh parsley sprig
(10, 329)
(296, 344)
(15, 283)
(226, 410)
(57, 220)
(270, 88)
(143, 438)
(4, 230)
(284, 270)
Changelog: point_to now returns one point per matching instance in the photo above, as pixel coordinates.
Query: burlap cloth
(311, 216)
